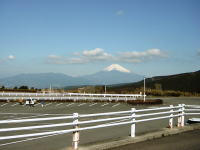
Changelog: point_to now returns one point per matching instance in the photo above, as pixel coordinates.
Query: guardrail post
(171, 117)
(179, 117)
(183, 115)
(133, 124)
(76, 134)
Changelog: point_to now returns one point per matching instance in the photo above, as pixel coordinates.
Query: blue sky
(78, 37)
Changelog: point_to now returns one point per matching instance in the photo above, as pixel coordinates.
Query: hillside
(185, 82)
(113, 74)
(42, 80)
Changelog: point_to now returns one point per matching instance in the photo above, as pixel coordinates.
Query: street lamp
(144, 89)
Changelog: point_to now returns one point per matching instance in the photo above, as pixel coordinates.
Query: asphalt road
(184, 141)
(15, 111)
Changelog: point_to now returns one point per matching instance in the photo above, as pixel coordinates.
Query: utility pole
(50, 88)
(144, 89)
(105, 89)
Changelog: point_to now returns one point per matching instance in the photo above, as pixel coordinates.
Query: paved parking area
(15, 111)
(184, 141)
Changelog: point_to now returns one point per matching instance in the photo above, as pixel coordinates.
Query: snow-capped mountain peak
(116, 67)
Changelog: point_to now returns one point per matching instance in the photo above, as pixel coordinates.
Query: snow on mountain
(116, 67)
(113, 74)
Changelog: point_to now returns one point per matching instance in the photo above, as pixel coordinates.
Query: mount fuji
(117, 68)
(113, 74)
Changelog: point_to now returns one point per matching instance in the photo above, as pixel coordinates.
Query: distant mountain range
(185, 82)
(113, 74)
(41, 80)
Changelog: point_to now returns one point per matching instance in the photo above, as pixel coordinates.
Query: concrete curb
(149, 136)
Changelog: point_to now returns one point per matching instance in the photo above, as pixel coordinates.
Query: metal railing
(67, 96)
(108, 119)
(71, 98)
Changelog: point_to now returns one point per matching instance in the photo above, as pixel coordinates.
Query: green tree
(23, 87)
(15, 87)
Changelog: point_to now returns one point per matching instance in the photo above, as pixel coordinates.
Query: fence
(68, 96)
(131, 117)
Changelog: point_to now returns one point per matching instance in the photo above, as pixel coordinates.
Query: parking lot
(13, 110)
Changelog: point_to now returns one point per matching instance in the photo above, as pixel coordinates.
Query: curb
(149, 136)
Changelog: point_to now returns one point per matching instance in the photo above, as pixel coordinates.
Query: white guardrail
(109, 119)
(67, 96)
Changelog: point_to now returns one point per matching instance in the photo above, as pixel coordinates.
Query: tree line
(22, 88)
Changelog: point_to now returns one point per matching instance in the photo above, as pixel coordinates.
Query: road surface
(184, 141)
(57, 142)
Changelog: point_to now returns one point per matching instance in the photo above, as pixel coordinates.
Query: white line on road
(48, 104)
(116, 105)
(82, 104)
(59, 104)
(70, 104)
(4, 104)
(105, 104)
(29, 116)
(14, 104)
(35, 114)
(92, 104)
(37, 104)
(29, 139)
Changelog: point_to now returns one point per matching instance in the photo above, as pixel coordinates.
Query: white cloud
(99, 54)
(95, 54)
(54, 57)
(120, 12)
(137, 57)
(147, 53)
(11, 57)
(76, 61)
(7, 59)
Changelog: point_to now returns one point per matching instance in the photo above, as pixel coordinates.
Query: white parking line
(59, 104)
(82, 104)
(92, 104)
(37, 104)
(48, 104)
(152, 107)
(14, 104)
(4, 104)
(11, 117)
(116, 105)
(105, 104)
(29, 139)
(29, 116)
(69, 104)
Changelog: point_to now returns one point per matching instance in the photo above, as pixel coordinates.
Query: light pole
(144, 89)
(105, 89)
(50, 88)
